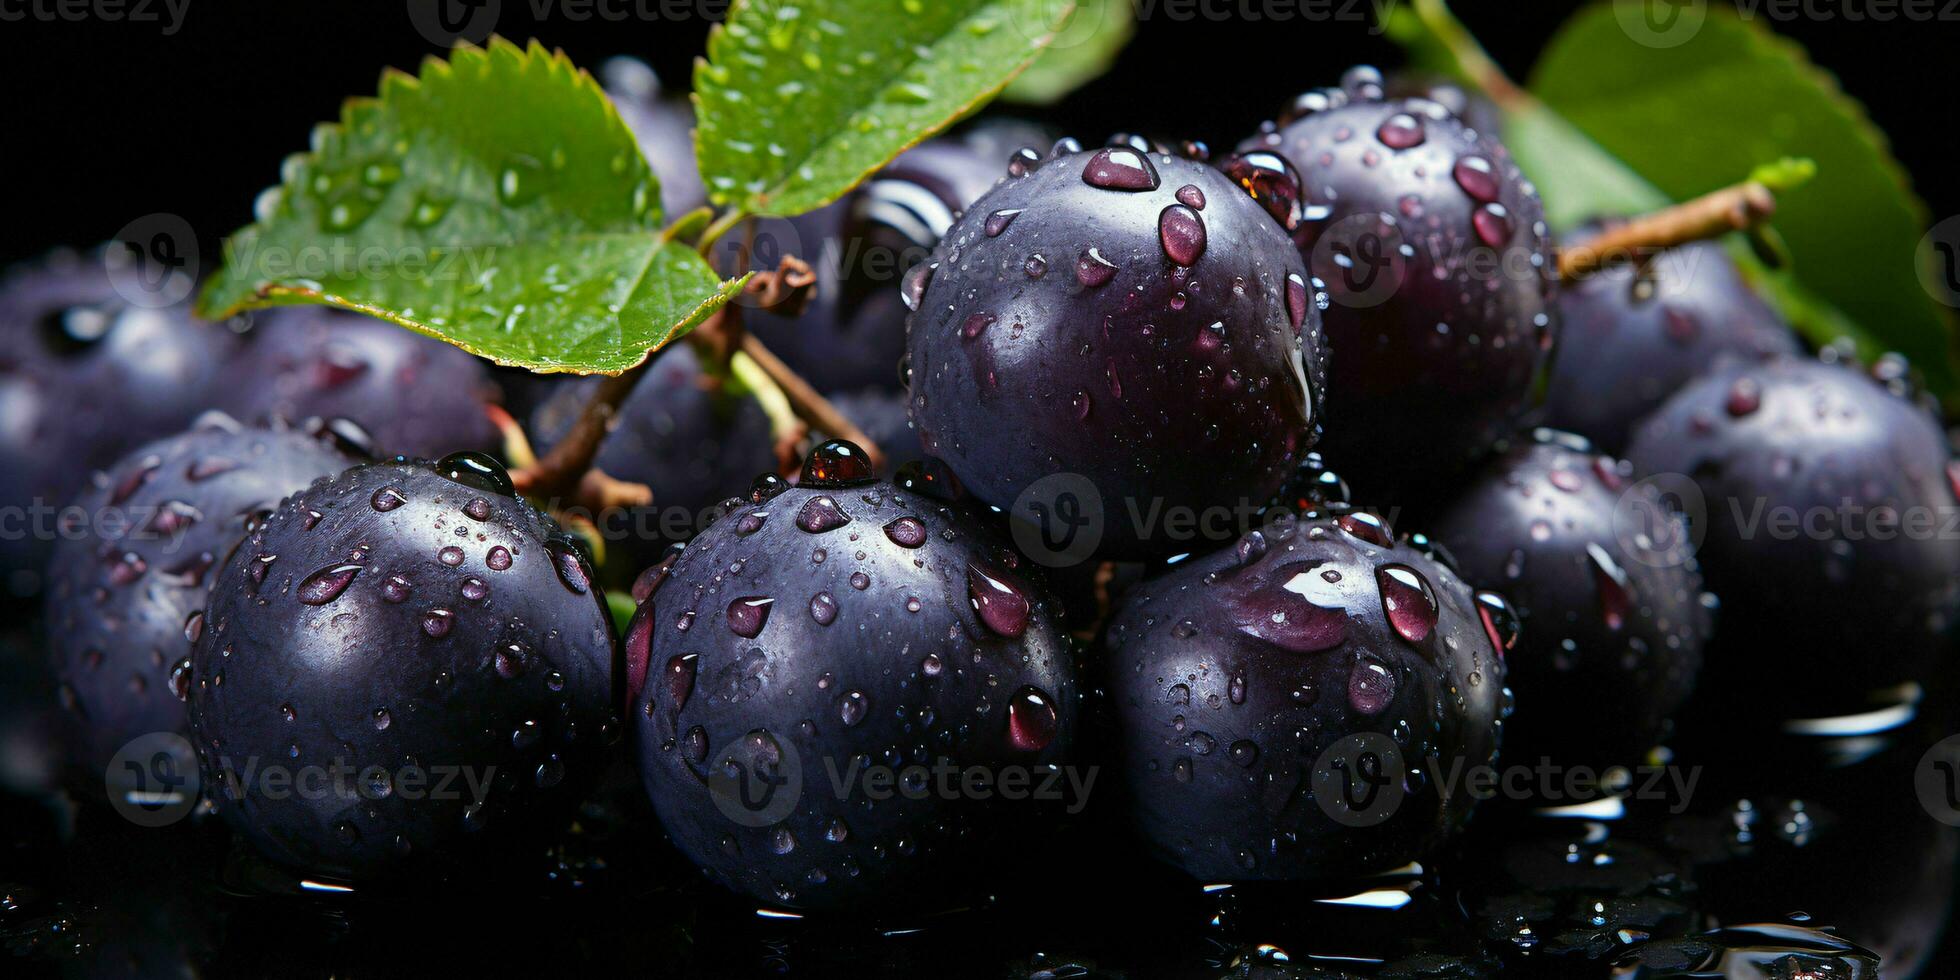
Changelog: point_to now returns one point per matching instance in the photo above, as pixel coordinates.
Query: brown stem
(560, 470)
(1736, 208)
(810, 406)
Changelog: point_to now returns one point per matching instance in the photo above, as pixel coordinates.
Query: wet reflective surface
(1801, 852)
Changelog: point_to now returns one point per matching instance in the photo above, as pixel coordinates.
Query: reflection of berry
(85, 378)
(414, 394)
(853, 334)
(1438, 268)
(127, 592)
(1612, 627)
(1128, 316)
(1234, 673)
(833, 626)
(1633, 334)
(1826, 498)
(397, 624)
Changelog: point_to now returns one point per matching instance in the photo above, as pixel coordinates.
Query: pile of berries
(1126, 375)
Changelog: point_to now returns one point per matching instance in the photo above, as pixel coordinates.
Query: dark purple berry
(414, 394)
(1182, 376)
(127, 590)
(852, 337)
(85, 377)
(777, 648)
(360, 648)
(1283, 704)
(1613, 612)
(1636, 331)
(1439, 271)
(1825, 498)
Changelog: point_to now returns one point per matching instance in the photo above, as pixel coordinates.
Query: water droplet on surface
(1610, 582)
(1492, 224)
(498, 559)
(1500, 621)
(906, 532)
(326, 585)
(823, 608)
(852, 706)
(975, 325)
(1371, 686)
(450, 555)
(1182, 233)
(1368, 527)
(1031, 720)
(1475, 176)
(1120, 168)
(1092, 270)
(747, 615)
(1273, 182)
(387, 499)
(1401, 131)
(835, 465)
(680, 678)
(570, 565)
(821, 513)
(1408, 601)
(436, 622)
(1002, 606)
(1745, 397)
(999, 220)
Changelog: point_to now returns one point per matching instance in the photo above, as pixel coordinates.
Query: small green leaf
(1691, 116)
(1082, 51)
(495, 201)
(799, 100)
(678, 291)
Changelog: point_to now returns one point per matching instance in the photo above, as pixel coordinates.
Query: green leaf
(799, 100)
(1082, 51)
(1696, 115)
(495, 201)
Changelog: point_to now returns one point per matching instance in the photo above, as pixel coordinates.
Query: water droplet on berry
(326, 585)
(1182, 233)
(820, 514)
(1120, 168)
(1408, 601)
(1031, 720)
(1475, 176)
(1002, 607)
(834, 465)
(747, 614)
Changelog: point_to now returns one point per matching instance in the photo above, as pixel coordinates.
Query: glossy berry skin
(418, 628)
(1826, 497)
(1439, 273)
(1232, 675)
(1614, 620)
(689, 443)
(1129, 317)
(413, 394)
(85, 378)
(127, 590)
(852, 337)
(1634, 333)
(901, 636)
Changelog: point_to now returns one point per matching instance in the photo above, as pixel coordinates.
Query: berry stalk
(1739, 207)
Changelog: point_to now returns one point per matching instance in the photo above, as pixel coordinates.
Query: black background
(107, 121)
